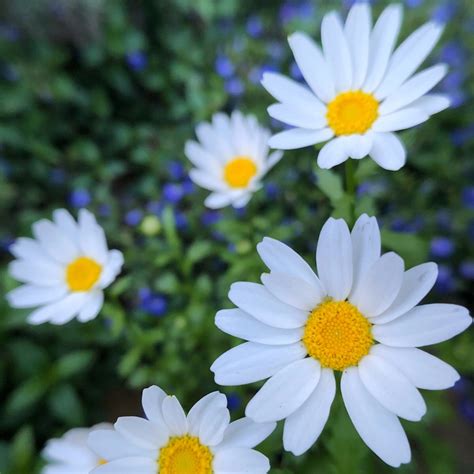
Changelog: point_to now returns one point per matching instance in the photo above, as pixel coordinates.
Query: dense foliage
(96, 102)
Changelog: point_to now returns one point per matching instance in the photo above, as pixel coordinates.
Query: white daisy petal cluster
(358, 315)
(64, 269)
(360, 91)
(170, 442)
(71, 453)
(231, 158)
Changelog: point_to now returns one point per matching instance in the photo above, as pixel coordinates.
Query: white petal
(312, 65)
(218, 200)
(201, 158)
(213, 426)
(291, 290)
(299, 138)
(38, 272)
(152, 401)
(288, 91)
(380, 429)
(251, 362)
(424, 325)
(382, 41)
(257, 301)
(239, 460)
(28, 249)
(273, 159)
(240, 324)
(91, 307)
(174, 416)
(27, 296)
(334, 258)
(63, 219)
(408, 57)
(54, 241)
(280, 258)
(432, 103)
(358, 146)
(422, 369)
(333, 153)
(92, 237)
(111, 269)
(245, 433)
(59, 312)
(366, 247)
(212, 141)
(207, 180)
(142, 433)
(135, 465)
(391, 388)
(285, 392)
(388, 151)
(241, 201)
(298, 117)
(336, 51)
(211, 403)
(380, 285)
(357, 31)
(417, 282)
(399, 120)
(109, 445)
(413, 89)
(303, 427)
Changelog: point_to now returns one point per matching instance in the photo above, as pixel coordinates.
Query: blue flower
(155, 207)
(445, 280)
(234, 87)
(80, 198)
(57, 176)
(152, 303)
(466, 269)
(181, 220)
(441, 247)
(136, 60)
(133, 217)
(173, 193)
(413, 3)
(233, 401)
(254, 26)
(176, 170)
(210, 217)
(224, 66)
(272, 190)
(444, 13)
(468, 197)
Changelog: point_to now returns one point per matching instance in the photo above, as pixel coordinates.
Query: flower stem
(351, 187)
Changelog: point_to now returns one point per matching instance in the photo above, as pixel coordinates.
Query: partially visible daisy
(360, 90)
(64, 268)
(231, 158)
(71, 454)
(359, 316)
(170, 442)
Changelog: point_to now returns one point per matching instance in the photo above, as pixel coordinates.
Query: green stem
(351, 187)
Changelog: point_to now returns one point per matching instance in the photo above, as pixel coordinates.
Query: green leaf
(22, 450)
(74, 363)
(65, 405)
(330, 184)
(412, 248)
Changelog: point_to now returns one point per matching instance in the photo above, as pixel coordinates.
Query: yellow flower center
(239, 171)
(101, 462)
(82, 274)
(337, 334)
(352, 112)
(185, 455)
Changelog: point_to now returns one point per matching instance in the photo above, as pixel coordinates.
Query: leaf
(65, 405)
(74, 363)
(412, 248)
(330, 184)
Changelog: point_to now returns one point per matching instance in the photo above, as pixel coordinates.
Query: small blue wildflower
(152, 303)
(224, 66)
(468, 197)
(104, 210)
(466, 269)
(133, 217)
(441, 247)
(210, 217)
(136, 60)
(276, 50)
(155, 207)
(180, 220)
(233, 401)
(57, 176)
(445, 280)
(172, 193)
(80, 198)
(188, 186)
(272, 190)
(413, 3)
(444, 13)
(295, 72)
(235, 87)
(254, 26)
(466, 407)
(176, 170)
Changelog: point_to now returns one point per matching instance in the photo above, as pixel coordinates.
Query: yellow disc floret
(337, 334)
(82, 274)
(185, 455)
(239, 171)
(352, 112)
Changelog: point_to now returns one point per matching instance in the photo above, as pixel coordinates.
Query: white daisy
(71, 454)
(231, 158)
(360, 317)
(169, 442)
(361, 91)
(64, 268)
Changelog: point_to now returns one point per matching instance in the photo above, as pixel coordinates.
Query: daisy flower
(231, 158)
(360, 90)
(359, 316)
(170, 442)
(71, 454)
(64, 268)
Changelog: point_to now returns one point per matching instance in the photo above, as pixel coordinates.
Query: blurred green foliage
(101, 96)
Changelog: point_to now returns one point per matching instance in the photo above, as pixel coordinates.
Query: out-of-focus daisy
(71, 454)
(231, 158)
(169, 442)
(64, 268)
(360, 317)
(361, 91)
